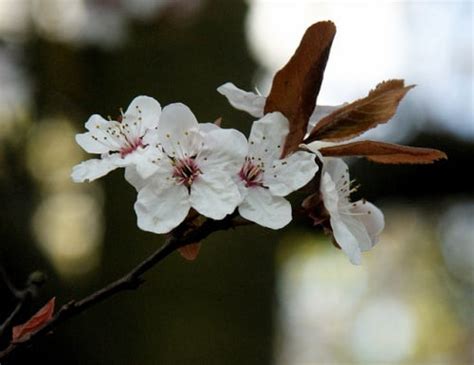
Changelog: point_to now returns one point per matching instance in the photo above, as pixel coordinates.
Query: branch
(35, 280)
(132, 280)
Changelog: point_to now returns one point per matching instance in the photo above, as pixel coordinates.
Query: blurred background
(253, 296)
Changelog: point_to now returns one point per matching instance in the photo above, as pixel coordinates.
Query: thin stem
(23, 296)
(7, 323)
(130, 281)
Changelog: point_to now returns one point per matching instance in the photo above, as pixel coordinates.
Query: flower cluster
(356, 226)
(186, 172)
(176, 163)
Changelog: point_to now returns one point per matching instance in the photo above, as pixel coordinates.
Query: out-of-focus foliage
(384, 311)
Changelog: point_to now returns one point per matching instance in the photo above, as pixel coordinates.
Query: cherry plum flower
(265, 179)
(122, 143)
(356, 225)
(137, 180)
(254, 104)
(195, 166)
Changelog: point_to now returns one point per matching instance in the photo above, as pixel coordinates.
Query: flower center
(251, 174)
(346, 187)
(130, 147)
(186, 171)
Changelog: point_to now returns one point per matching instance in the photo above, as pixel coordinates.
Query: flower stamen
(185, 171)
(251, 175)
(125, 150)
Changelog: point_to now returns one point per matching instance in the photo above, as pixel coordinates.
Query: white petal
(161, 206)
(178, 131)
(357, 228)
(261, 207)
(338, 171)
(317, 145)
(373, 220)
(243, 190)
(93, 169)
(97, 140)
(224, 150)
(329, 192)
(208, 127)
(146, 168)
(336, 168)
(320, 112)
(214, 195)
(138, 176)
(150, 137)
(345, 238)
(145, 111)
(290, 174)
(146, 160)
(134, 178)
(243, 100)
(267, 137)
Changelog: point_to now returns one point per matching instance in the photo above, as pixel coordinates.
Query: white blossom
(195, 169)
(356, 225)
(121, 143)
(254, 104)
(265, 179)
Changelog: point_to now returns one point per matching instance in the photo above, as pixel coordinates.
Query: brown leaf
(296, 86)
(361, 115)
(387, 153)
(190, 252)
(34, 323)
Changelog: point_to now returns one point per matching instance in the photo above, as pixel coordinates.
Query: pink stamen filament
(251, 174)
(130, 147)
(186, 171)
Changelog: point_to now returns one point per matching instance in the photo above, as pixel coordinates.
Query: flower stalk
(130, 281)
